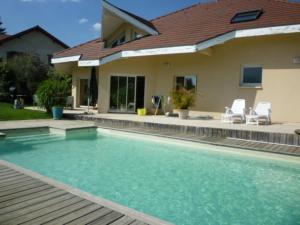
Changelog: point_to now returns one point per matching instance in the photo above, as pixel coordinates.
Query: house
(222, 50)
(34, 41)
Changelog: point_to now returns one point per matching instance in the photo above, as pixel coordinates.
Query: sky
(77, 21)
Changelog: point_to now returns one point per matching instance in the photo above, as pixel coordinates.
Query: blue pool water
(188, 184)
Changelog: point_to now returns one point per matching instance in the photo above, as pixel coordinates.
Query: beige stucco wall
(218, 75)
(32, 43)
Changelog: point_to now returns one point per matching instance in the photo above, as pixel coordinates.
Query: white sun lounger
(235, 113)
(262, 112)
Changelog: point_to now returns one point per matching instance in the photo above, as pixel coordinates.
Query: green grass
(8, 113)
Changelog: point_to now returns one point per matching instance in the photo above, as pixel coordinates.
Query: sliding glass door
(123, 90)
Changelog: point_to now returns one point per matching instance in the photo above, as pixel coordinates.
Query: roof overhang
(185, 49)
(65, 59)
(113, 17)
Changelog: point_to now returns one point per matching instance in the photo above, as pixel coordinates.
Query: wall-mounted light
(296, 60)
(167, 64)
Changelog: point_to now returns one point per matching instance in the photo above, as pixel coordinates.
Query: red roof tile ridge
(287, 1)
(186, 8)
(77, 46)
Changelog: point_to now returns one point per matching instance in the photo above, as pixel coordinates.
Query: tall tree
(2, 29)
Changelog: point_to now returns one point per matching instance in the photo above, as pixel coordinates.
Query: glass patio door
(84, 92)
(122, 94)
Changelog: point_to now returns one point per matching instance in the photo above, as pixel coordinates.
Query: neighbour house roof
(197, 24)
(32, 29)
(3, 36)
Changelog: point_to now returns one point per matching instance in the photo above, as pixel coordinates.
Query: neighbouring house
(34, 41)
(222, 50)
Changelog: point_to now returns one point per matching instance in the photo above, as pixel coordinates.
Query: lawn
(8, 113)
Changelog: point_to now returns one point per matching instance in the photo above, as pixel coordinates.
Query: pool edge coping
(90, 197)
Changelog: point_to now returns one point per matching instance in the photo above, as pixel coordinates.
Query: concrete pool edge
(85, 195)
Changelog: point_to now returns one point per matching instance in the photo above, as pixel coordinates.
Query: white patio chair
(236, 112)
(69, 102)
(262, 112)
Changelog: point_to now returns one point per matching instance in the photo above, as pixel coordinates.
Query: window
(49, 60)
(246, 16)
(118, 41)
(187, 82)
(136, 35)
(251, 76)
(13, 54)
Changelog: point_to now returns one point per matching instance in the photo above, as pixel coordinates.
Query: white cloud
(97, 27)
(83, 20)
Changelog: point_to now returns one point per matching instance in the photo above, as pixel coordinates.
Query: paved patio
(196, 121)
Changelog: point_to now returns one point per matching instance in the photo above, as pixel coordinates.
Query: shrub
(54, 91)
(183, 99)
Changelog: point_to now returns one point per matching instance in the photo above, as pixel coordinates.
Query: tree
(2, 29)
(25, 72)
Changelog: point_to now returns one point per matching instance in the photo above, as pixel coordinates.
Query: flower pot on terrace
(183, 113)
(57, 112)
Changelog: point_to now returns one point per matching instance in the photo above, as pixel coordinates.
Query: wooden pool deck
(28, 200)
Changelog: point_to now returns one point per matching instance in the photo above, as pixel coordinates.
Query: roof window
(247, 16)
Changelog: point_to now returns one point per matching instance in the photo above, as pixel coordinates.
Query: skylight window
(247, 16)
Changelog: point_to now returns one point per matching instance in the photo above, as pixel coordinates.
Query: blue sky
(76, 21)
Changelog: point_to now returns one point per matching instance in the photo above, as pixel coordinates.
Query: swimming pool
(181, 182)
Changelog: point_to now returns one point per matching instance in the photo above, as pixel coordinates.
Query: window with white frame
(187, 82)
(251, 76)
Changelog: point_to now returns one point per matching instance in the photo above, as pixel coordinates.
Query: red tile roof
(196, 24)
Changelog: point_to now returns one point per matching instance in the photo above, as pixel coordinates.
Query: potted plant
(182, 100)
(53, 93)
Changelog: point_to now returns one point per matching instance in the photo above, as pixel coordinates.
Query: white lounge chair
(236, 112)
(262, 112)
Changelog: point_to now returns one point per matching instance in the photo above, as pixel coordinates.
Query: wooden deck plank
(16, 181)
(27, 197)
(46, 214)
(91, 216)
(125, 220)
(9, 179)
(25, 193)
(7, 173)
(74, 215)
(21, 205)
(21, 188)
(35, 207)
(6, 176)
(107, 219)
(19, 185)
(5, 170)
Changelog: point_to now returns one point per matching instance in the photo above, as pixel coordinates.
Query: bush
(54, 91)
(183, 99)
